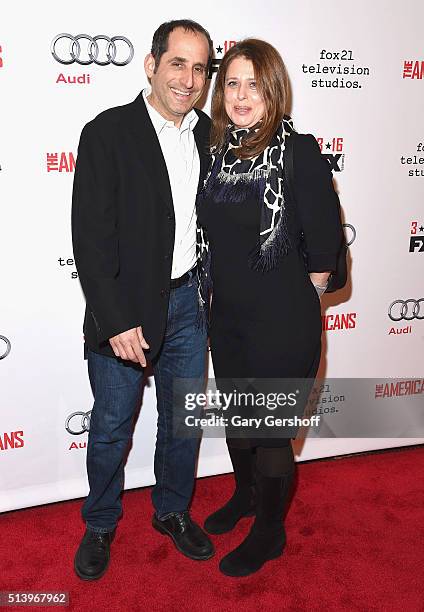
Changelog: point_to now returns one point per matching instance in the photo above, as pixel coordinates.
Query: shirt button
(170, 217)
(163, 292)
(167, 256)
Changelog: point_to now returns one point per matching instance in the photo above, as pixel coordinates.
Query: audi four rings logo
(78, 423)
(100, 49)
(353, 236)
(5, 347)
(406, 310)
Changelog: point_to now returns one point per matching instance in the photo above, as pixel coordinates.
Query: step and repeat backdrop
(357, 81)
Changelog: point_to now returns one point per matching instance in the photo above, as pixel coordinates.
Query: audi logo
(5, 347)
(78, 423)
(100, 49)
(351, 229)
(406, 310)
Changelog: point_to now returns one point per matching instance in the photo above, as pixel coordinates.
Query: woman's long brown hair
(272, 83)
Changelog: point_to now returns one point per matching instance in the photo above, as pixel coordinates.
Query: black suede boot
(267, 536)
(242, 502)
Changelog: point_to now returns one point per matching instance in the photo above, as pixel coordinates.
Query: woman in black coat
(265, 312)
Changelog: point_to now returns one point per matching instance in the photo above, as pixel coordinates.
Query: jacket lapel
(151, 153)
(150, 150)
(201, 136)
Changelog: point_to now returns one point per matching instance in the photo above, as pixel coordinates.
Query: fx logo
(217, 60)
(214, 66)
(416, 244)
(336, 161)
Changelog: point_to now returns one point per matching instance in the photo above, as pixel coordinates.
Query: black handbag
(338, 278)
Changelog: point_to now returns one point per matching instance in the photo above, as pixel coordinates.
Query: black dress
(268, 324)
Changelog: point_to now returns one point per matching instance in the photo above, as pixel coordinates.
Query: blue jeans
(116, 387)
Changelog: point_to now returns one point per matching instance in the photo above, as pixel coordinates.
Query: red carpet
(355, 542)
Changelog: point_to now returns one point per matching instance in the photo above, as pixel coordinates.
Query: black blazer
(123, 224)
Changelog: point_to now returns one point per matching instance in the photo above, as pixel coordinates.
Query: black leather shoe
(93, 555)
(187, 536)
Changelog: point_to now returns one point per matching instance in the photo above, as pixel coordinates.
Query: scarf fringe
(207, 189)
(237, 191)
(264, 257)
(204, 288)
(258, 173)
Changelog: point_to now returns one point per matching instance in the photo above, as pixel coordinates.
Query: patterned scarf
(233, 180)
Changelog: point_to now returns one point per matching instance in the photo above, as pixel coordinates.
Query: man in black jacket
(134, 236)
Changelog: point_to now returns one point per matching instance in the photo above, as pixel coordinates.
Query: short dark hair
(161, 37)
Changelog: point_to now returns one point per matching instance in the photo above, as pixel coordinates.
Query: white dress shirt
(182, 161)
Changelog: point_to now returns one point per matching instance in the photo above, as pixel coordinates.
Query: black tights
(271, 461)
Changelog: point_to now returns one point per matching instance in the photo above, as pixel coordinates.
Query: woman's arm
(318, 208)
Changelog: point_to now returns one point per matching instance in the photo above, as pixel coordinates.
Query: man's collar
(159, 122)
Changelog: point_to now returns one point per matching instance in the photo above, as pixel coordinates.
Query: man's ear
(149, 65)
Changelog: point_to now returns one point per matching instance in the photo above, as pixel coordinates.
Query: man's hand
(129, 345)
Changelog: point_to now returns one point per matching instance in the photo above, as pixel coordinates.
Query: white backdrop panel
(43, 379)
